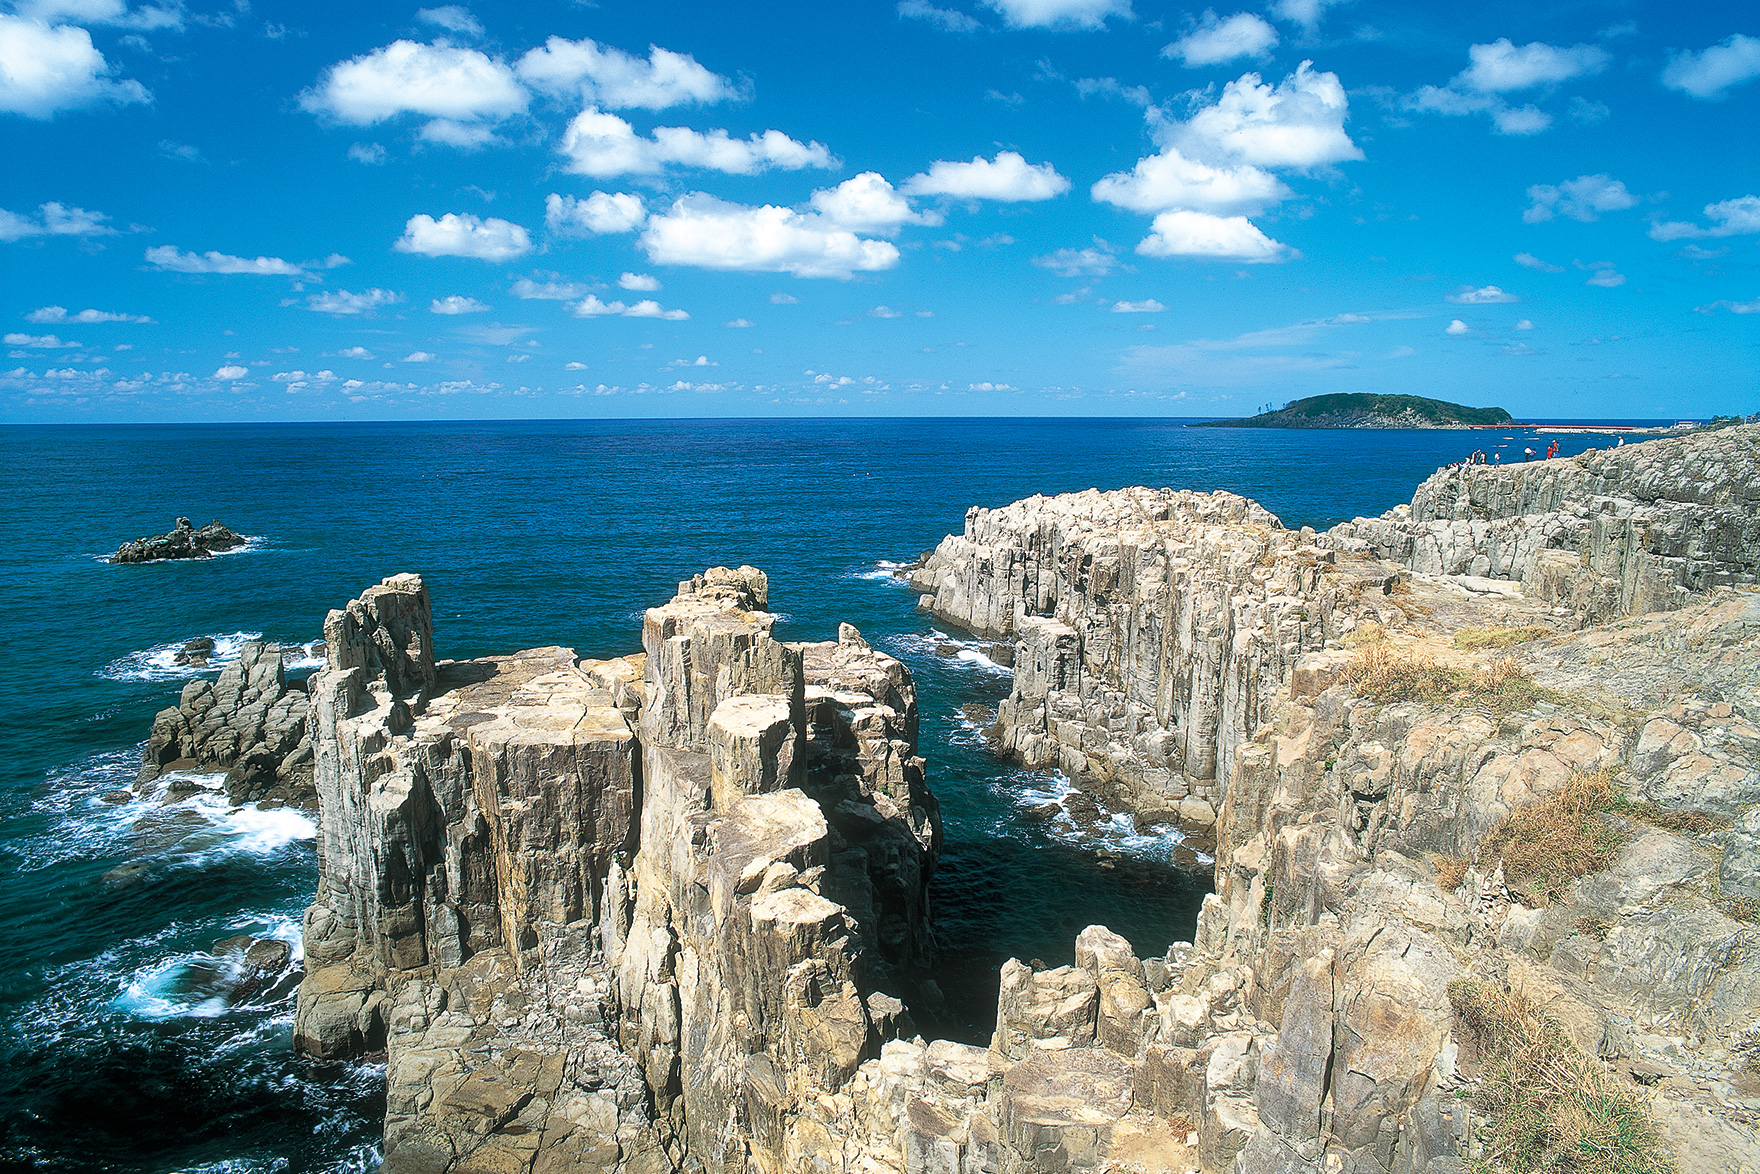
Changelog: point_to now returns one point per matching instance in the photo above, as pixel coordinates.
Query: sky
(263, 210)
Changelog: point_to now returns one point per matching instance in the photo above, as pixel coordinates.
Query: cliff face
(1615, 531)
(714, 854)
(668, 912)
(1174, 644)
(1151, 625)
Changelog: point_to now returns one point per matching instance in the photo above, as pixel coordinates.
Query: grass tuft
(1450, 871)
(1474, 639)
(1547, 1106)
(1504, 687)
(1740, 909)
(1547, 844)
(1697, 823)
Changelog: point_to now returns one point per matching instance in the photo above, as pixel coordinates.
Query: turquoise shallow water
(111, 1054)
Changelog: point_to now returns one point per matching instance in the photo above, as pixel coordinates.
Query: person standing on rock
(1528, 453)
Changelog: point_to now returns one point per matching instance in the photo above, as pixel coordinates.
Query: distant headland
(1359, 410)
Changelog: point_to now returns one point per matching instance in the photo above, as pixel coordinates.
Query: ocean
(116, 1053)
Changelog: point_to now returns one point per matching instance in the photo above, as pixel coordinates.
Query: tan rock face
(668, 912)
(1617, 531)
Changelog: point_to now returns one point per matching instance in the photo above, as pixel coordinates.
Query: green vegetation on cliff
(1360, 410)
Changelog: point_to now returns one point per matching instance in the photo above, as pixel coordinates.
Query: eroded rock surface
(250, 723)
(668, 911)
(184, 541)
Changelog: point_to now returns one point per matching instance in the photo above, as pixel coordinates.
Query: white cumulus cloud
(231, 372)
(1583, 198)
(1456, 327)
(708, 233)
(1503, 67)
(1078, 262)
(1214, 40)
(418, 357)
(868, 203)
(455, 18)
(1306, 13)
(47, 68)
(58, 315)
(53, 219)
(1711, 73)
(1737, 217)
(549, 291)
(1530, 261)
(1008, 177)
(458, 234)
(1485, 295)
(1298, 123)
(463, 91)
(42, 342)
(1171, 180)
(456, 304)
(1146, 306)
(606, 76)
(1202, 235)
(601, 212)
(600, 144)
(1078, 14)
(591, 307)
(644, 282)
(171, 258)
(343, 303)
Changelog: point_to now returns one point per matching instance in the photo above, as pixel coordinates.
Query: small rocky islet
(669, 911)
(185, 540)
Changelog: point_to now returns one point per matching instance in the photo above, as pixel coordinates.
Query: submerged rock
(184, 541)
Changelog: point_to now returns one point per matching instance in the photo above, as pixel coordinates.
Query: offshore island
(1362, 410)
(1483, 776)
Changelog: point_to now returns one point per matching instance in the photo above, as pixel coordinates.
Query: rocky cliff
(1613, 531)
(250, 723)
(1368, 720)
(669, 911)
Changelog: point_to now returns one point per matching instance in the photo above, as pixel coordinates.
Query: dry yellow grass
(1547, 1107)
(1450, 871)
(1546, 845)
(1475, 639)
(1383, 675)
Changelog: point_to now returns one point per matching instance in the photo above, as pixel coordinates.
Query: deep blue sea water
(112, 1055)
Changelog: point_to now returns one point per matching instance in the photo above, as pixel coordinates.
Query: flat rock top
(539, 695)
(1075, 1086)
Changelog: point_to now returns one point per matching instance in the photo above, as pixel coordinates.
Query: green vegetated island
(1360, 410)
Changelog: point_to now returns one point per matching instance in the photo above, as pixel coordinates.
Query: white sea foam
(1112, 831)
(885, 571)
(159, 663)
(966, 650)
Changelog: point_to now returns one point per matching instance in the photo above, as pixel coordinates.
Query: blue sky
(270, 210)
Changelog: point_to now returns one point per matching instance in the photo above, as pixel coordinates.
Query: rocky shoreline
(184, 541)
(669, 911)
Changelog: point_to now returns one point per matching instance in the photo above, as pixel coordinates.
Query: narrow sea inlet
(130, 1041)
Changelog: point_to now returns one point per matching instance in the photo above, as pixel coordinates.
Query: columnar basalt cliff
(1176, 644)
(1614, 531)
(714, 854)
(669, 911)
